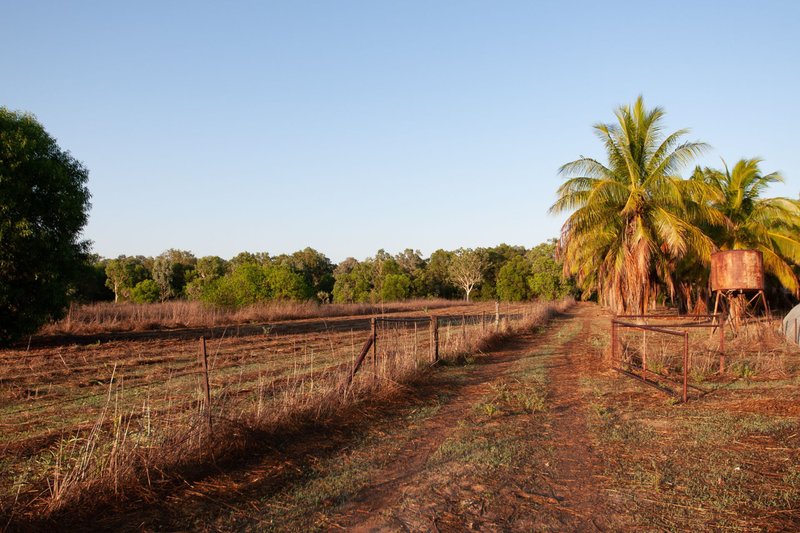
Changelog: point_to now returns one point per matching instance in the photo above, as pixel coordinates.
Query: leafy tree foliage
(123, 273)
(172, 270)
(43, 209)
(435, 279)
(207, 269)
(547, 281)
(395, 287)
(250, 283)
(315, 268)
(536, 275)
(354, 281)
(91, 283)
(466, 269)
(285, 284)
(512, 280)
(494, 259)
(146, 292)
(306, 274)
(260, 258)
(410, 261)
(211, 267)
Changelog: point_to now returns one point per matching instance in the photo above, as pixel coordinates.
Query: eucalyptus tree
(466, 269)
(752, 222)
(633, 217)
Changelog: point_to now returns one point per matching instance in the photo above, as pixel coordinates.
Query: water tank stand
(737, 307)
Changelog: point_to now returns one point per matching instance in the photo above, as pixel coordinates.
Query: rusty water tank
(737, 270)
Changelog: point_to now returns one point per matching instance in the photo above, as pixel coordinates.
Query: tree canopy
(637, 229)
(752, 222)
(44, 204)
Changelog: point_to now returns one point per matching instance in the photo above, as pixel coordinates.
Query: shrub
(146, 292)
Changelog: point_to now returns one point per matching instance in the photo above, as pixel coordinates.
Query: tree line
(637, 232)
(504, 272)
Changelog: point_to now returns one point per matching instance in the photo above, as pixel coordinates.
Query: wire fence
(75, 418)
(691, 356)
(48, 393)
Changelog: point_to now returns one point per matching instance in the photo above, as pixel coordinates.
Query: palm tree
(771, 225)
(634, 217)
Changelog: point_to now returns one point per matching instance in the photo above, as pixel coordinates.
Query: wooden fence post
(374, 324)
(416, 342)
(435, 333)
(685, 365)
(497, 316)
(205, 380)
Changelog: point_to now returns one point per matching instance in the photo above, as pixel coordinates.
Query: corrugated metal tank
(737, 270)
(791, 325)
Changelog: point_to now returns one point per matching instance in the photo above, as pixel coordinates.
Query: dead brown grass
(105, 317)
(140, 452)
(753, 351)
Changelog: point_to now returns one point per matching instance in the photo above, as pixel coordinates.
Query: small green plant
(531, 401)
(656, 366)
(489, 409)
(697, 375)
(745, 371)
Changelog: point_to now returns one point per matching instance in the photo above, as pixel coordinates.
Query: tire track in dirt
(364, 511)
(576, 501)
(577, 467)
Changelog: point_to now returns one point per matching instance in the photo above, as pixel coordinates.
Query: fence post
(644, 354)
(464, 329)
(416, 343)
(685, 364)
(374, 325)
(435, 347)
(496, 316)
(206, 385)
(483, 321)
(614, 344)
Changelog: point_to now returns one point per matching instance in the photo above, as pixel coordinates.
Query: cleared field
(66, 408)
(107, 318)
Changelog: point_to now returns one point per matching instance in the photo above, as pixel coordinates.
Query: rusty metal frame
(713, 321)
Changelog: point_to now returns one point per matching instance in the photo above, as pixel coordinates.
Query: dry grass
(754, 351)
(140, 448)
(105, 317)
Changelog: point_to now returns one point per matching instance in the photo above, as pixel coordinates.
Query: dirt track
(566, 494)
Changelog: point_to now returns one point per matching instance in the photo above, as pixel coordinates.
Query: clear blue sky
(353, 126)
